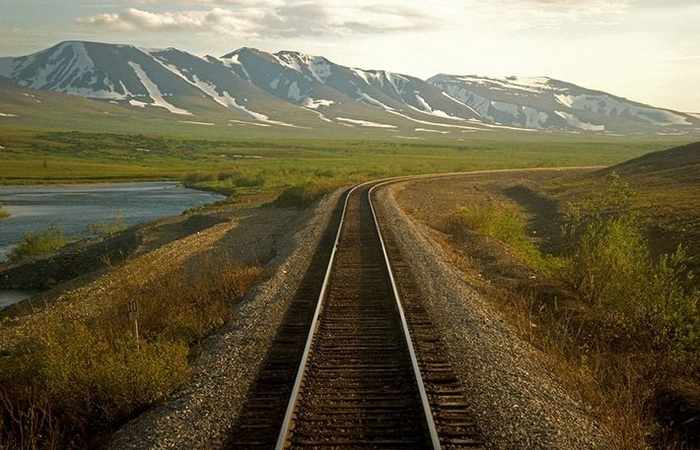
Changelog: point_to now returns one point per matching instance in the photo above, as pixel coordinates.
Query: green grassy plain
(276, 163)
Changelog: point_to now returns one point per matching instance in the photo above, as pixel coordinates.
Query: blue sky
(641, 49)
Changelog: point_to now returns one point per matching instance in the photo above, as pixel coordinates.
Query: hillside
(544, 103)
(676, 166)
(665, 188)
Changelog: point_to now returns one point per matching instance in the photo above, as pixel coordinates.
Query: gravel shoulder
(201, 414)
(518, 402)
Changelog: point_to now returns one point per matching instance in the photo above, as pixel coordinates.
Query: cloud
(270, 18)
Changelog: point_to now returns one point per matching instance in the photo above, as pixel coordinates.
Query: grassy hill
(677, 166)
(666, 193)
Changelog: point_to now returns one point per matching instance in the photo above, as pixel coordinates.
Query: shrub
(611, 267)
(302, 196)
(197, 177)
(3, 213)
(108, 228)
(76, 378)
(609, 262)
(505, 223)
(238, 179)
(38, 244)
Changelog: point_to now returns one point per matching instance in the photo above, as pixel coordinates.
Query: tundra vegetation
(38, 244)
(72, 379)
(106, 229)
(622, 324)
(267, 167)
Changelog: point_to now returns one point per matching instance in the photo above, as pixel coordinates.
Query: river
(73, 207)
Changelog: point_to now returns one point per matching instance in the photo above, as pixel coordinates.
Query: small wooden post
(134, 316)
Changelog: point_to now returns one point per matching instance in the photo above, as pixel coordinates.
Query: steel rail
(301, 371)
(434, 438)
(288, 416)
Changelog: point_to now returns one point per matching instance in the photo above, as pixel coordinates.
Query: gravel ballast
(201, 415)
(518, 403)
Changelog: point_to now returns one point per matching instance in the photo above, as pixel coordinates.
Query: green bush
(197, 177)
(505, 223)
(75, 378)
(612, 268)
(302, 196)
(610, 261)
(3, 213)
(108, 228)
(38, 244)
(238, 179)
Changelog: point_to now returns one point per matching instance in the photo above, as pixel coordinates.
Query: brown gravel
(519, 403)
(200, 415)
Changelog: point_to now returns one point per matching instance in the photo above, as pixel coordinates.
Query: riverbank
(86, 210)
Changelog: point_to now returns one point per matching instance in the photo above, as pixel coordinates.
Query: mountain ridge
(262, 88)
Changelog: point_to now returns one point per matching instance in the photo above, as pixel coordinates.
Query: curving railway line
(357, 362)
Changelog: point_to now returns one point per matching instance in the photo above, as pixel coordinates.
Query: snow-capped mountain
(315, 82)
(545, 103)
(291, 89)
(158, 80)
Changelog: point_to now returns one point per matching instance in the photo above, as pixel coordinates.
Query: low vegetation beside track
(38, 244)
(623, 323)
(74, 377)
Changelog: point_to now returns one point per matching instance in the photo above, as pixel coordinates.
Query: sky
(645, 50)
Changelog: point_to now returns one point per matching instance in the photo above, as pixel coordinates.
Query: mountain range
(292, 90)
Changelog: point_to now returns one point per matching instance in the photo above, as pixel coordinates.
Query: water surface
(9, 297)
(73, 208)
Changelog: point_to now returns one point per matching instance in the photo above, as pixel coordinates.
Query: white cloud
(251, 18)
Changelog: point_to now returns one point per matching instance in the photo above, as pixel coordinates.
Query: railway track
(366, 368)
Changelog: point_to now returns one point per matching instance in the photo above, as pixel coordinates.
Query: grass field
(268, 166)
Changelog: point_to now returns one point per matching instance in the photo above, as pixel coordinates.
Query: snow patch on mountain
(577, 123)
(612, 107)
(365, 123)
(529, 85)
(317, 66)
(154, 92)
(427, 130)
(565, 99)
(191, 122)
(362, 74)
(232, 62)
(373, 101)
(7, 115)
(316, 103)
(322, 116)
(421, 101)
(477, 103)
(433, 124)
(243, 122)
(261, 117)
(445, 94)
